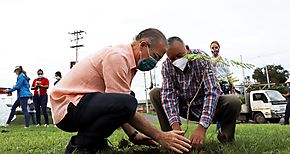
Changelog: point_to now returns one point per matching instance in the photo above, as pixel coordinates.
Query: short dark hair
(40, 70)
(154, 35)
(58, 73)
(187, 47)
(173, 39)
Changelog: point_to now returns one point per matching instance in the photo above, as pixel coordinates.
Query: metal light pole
(154, 77)
(245, 93)
(146, 99)
(267, 75)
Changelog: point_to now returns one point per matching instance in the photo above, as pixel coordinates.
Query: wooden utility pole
(77, 37)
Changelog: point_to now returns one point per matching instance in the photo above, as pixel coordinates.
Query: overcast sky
(34, 33)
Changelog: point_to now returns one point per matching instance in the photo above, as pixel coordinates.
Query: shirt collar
(131, 58)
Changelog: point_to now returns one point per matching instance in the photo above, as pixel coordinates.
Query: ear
(143, 43)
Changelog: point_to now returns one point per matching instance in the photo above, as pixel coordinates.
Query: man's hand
(38, 84)
(174, 140)
(141, 139)
(197, 137)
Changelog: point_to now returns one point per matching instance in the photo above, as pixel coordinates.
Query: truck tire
(259, 118)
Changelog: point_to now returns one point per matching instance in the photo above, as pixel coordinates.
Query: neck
(136, 52)
(215, 56)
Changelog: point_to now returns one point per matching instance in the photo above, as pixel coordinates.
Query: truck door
(260, 102)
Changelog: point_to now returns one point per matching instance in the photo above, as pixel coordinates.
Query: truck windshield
(275, 96)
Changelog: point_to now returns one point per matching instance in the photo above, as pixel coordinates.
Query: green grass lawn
(250, 138)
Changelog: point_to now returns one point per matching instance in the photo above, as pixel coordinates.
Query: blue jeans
(22, 101)
(41, 102)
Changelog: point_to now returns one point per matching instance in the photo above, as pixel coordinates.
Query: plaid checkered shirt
(185, 84)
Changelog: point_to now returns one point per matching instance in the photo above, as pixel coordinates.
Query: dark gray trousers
(227, 111)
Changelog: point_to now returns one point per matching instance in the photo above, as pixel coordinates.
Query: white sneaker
(45, 125)
(25, 127)
(6, 125)
(37, 125)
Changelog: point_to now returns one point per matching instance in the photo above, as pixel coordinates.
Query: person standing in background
(23, 94)
(57, 76)
(221, 70)
(287, 112)
(40, 86)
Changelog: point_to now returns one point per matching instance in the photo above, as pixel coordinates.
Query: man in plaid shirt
(182, 80)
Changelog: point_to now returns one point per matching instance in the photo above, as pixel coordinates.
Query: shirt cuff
(205, 121)
(174, 119)
(9, 91)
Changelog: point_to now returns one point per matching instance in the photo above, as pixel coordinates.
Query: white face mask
(57, 78)
(180, 63)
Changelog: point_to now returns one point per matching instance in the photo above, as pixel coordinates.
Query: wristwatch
(204, 124)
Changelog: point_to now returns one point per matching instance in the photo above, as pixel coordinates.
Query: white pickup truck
(262, 106)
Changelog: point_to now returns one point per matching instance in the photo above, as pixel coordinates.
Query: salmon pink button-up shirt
(109, 70)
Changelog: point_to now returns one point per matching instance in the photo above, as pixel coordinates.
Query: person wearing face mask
(40, 97)
(57, 76)
(23, 94)
(287, 112)
(95, 98)
(192, 82)
(221, 70)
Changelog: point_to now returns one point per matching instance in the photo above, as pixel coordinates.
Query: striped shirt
(185, 84)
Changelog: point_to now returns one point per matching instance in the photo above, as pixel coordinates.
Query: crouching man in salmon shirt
(94, 99)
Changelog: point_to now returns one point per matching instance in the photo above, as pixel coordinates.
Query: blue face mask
(40, 76)
(146, 64)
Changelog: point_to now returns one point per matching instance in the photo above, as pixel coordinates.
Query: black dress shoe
(102, 145)
(71, 147)
(81, 150)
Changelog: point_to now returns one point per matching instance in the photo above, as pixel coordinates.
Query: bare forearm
(128, 129)
(144, 126)
(44, 86)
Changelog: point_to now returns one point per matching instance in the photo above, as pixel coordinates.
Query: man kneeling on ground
(94, 99)
(193, 82)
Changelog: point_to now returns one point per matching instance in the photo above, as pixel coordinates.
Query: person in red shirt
(40, 86)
